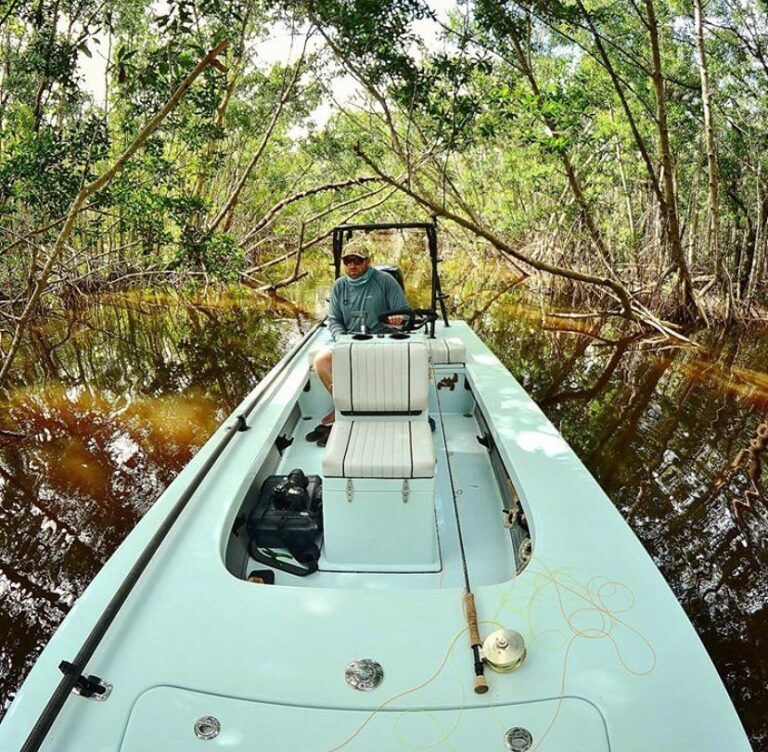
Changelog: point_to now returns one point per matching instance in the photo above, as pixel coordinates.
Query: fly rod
(470, 612)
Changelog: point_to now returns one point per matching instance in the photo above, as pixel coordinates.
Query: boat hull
(613, 662)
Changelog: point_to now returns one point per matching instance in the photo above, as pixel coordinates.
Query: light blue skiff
(612, 661)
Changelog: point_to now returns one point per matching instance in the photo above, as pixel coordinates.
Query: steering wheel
(414, 318)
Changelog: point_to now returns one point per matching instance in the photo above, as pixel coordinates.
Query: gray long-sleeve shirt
(379, 293)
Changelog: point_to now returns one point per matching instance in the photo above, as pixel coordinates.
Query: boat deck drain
(364, 674)
(518, 739)
(207, 727)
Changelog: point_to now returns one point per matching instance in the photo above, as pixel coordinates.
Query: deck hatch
(162, 716)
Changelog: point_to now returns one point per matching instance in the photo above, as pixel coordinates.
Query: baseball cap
(356, 253)
(360, 247)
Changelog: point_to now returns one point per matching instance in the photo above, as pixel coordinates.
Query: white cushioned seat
(379, 463)
(380, 377)
(446, 350)
(380, 449)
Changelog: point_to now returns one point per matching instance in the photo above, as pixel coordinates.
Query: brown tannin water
(103, 411)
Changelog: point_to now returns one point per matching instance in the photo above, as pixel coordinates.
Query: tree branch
(88, 190)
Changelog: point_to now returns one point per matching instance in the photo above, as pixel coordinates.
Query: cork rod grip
(481, 685)
(474, 633)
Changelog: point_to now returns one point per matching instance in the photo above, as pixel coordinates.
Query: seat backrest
(446, 350)
(380, 378)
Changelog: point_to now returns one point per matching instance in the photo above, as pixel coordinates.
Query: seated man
(356, 302)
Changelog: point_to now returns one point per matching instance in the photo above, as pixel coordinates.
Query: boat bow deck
(612, 660)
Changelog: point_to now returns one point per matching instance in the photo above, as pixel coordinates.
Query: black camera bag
(295, 528)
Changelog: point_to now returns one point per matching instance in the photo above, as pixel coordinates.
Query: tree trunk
(693, 216)
(663, 184)
(221, 111)
(204, 174)
(757, 256)
(5, 73)
(573, 180)
(688, 305)
(226, 212)
(628, 203)
(713, 227)
(746, 256)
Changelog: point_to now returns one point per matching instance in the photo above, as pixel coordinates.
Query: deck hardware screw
(207, 727)
(518, 739)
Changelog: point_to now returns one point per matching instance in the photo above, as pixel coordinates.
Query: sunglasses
(353, 260)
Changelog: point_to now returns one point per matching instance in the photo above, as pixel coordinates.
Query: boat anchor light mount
(504, 650)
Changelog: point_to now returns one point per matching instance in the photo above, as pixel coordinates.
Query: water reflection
(106, 407)
(114, 401)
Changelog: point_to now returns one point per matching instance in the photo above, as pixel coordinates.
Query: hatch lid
(165, 718)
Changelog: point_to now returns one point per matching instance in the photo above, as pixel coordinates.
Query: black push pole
(437, 292)
(338, 242)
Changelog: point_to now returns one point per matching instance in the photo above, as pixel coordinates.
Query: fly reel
(504, 650)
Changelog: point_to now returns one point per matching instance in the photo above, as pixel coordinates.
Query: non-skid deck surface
(486, 542)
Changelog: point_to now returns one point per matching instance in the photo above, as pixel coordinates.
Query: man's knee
(323, 361)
